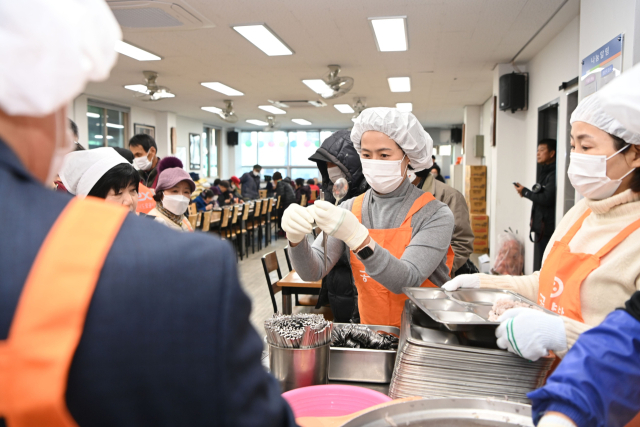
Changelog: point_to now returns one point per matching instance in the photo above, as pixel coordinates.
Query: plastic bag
(510, 258)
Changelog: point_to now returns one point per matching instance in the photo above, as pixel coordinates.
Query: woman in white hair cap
(101, 173)
(591, 265)
(396, 235)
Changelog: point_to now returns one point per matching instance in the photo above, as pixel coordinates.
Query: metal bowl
(447, 411)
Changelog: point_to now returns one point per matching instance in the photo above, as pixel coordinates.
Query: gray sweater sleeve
(421, 258)
(308, 259)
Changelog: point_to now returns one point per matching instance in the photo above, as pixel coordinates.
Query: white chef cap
(83, 169)
(590, 111)
(621, 99)
(50, 49)
(403, 128)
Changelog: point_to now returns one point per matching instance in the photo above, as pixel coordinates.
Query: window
(306, 173)
(272, 148)
(107, 127)
(302, 145)
(210, 152)
(249, 148)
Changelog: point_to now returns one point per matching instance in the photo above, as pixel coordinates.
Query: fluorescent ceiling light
(271, 109)
(391, 34)
(301, 122)
(109, 137)
(93, 115)
(400, 84)
(98, 137)
(406, 107)
(257, 122)
(134, 52)
(344, 108)
(112, 125)
(222, 88)
(318, 86)
(264, 39)
(214, 110)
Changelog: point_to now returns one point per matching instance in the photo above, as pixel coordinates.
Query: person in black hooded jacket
(336, 158)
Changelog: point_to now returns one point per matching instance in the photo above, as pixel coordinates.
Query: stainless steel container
(363, 365)
(447, 412)
(299, 367)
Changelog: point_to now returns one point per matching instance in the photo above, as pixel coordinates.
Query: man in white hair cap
(105, 319)
(396, 235)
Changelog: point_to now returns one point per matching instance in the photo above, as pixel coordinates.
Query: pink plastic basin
(332, 400)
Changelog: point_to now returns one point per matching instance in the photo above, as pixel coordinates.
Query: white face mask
(64, 145)
(588, 175)
(256, 173)
(335, 173)
(142, 163)
(176, 204)
(383, 176)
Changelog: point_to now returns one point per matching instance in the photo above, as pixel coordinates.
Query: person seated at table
(269, 186)
(204, 202)
(313, 188)
(236, 189)
(284, 191)
(101, 173)
(173, 195)
(302, 188)
(226, 198)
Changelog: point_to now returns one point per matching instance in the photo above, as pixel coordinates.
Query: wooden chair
(193, 210)
(314, 196)
(243, 229)
(275, 217)
(193, 220)
(263, 194)
(270, 219)
(224, 222)
(286, 255)
(303, 200)
(270, 264)
(262, 231)
(206, 221)
(255, 225)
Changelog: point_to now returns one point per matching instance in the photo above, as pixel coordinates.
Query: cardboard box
(475, 182)
(481, 246)
(479, 193)
(477, 206)
(479, 223)
(476, 171)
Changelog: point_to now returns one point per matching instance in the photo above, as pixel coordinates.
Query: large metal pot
(450, 412)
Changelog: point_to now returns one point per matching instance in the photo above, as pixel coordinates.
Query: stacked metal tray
(434, 362)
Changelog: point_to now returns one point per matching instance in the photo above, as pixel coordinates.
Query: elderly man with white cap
(397, 235)
(591, 265)
(102, 320)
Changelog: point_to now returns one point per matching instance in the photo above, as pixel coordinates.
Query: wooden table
(292, 284)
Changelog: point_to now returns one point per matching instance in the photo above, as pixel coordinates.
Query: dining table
(292, 284)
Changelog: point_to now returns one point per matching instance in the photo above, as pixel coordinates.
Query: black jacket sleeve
(547, 197)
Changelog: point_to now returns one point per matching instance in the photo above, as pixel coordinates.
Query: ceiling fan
(338, 86)
(359, 106)
(150, 91)
(273, 125)
(227, 114)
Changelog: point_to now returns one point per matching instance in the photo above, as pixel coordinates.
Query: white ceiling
(453, 47)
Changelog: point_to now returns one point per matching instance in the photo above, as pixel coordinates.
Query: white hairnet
(50, 49)
(403, 128)
(590, 111)
(621, 99)
(83, 169)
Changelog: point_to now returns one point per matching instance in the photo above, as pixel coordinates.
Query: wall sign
(601, 67)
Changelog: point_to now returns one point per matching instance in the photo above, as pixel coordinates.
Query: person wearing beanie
(284, 190)
(173, 195)
(101, 173)
(590, 266)
(236, 189)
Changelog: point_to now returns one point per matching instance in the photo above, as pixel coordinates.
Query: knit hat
(235, 180)
(81, 170)
(170, 177)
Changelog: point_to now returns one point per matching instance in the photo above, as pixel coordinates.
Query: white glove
(339, 223)
(553, 420)
(531, 333)
(466, 281)
(296, 222)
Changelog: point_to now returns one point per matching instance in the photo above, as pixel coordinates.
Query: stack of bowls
(433, 363)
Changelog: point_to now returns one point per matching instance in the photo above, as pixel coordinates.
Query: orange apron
(378, 305)
(49, 318)
(563, 272)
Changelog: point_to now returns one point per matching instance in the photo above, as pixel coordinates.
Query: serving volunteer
(101, 173)
(102, 322)
(397, 235)
(591, 265)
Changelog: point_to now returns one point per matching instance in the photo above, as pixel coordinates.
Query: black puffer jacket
(543, 211)
(338, 287)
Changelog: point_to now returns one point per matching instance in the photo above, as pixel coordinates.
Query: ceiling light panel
(317, 85)
(222, 88)
(271, 109)
(214, 110)
(400, 84)
(264, 39)
(114, 126)
(406, 107)
(390, 33)
(93, 115)
(301, 122)
(135, 52)
(344, 108)
(257, 122)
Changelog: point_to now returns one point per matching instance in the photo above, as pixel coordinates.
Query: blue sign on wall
(603, 56)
